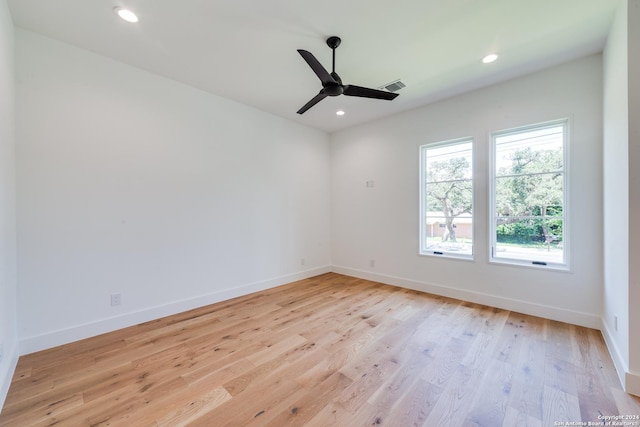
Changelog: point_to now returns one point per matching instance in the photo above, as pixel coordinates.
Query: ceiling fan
(332, 83)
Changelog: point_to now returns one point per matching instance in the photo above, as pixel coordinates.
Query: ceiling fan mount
(333, 42)
(332, 83)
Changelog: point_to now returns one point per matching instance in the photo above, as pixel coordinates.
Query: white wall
(134, 184)
(381, 223)
(633, 52)
(8, 317)
(616, 191)
(621, 195)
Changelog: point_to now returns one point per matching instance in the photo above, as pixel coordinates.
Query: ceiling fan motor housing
(333, 89)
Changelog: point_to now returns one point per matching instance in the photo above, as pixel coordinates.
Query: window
(446, 198)
(528, 221)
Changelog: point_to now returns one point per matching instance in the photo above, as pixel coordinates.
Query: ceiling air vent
(393, 86)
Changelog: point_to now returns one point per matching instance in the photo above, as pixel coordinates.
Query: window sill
(531, 264)
(447, 255)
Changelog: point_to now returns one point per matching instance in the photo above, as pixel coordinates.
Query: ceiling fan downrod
(333, 42)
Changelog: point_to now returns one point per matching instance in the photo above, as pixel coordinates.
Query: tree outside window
(529, 193)
(447, 198)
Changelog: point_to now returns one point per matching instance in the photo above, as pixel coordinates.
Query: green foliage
(530, 186)
(517, 232)
(529, 231)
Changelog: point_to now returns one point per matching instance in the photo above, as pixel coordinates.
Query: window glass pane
(447, 199)
(453, 197)
(456, 237)
(449, 162)
(529, 195)
(530, 239)
(529, 152)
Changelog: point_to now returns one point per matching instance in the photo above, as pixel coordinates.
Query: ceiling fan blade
(317, 67)
(319, 97)
(351, 90)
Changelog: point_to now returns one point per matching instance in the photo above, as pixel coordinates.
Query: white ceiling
(246, 50)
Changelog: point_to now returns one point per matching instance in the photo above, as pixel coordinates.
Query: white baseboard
(7, 368)
(75, 333)
(630, 381)
(548, 312)
(614, 352)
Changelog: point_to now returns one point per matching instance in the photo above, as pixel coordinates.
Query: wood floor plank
(398, 385)
(490, 406)
(303, 406)
(329, 350)
(452, 407)
(559, 407)
(184, 414)
(415, 406)
(514, 417)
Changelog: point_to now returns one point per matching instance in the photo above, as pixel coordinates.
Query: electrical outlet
(615, 323)
(372, 263)
(1, 350)
(302, 261)
(116, 299)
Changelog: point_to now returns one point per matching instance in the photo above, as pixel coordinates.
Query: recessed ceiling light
(339, 113)
(126, 14)
(489, 58)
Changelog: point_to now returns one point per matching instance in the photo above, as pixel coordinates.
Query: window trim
(422, 199)
(566, 208)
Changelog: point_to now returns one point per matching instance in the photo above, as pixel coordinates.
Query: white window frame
(535, 263)
(422, 249)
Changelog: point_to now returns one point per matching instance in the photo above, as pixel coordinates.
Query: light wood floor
(326, 351)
